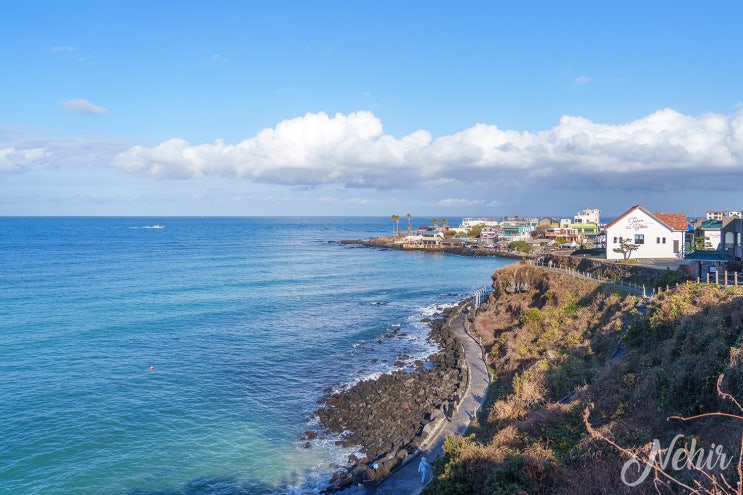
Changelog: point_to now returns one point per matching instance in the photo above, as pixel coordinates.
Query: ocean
(189, 359)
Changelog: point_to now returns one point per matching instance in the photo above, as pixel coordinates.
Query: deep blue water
(245, 320)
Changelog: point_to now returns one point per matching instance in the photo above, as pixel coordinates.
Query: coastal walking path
(407, 480)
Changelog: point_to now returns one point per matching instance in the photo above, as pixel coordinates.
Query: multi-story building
(517, 230)
(588, 216)
(732, 239)
(562, 235)
(720, 214)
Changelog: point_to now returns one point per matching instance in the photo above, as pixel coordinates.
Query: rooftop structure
(588, 216)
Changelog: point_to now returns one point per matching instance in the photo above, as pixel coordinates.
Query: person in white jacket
(424, 467)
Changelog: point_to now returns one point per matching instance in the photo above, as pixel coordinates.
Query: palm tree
(395, 223)
(409, 226)
(444, 223)
(435, 223)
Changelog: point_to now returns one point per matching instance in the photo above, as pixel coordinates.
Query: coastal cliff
(561, 348)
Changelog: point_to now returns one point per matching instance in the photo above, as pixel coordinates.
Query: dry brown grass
(701, 477)
(556, 339)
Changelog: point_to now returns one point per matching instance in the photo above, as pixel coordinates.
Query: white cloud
(460, 202)
(581, 80)
(22, 150)
(21, 160)
(466, 202)
(664, 149)
(83, 107)
(66, 49)
(345, 201)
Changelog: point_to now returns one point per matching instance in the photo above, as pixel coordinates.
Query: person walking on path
(407, 480)
(424, 468)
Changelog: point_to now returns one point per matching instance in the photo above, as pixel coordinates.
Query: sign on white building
(657, 235)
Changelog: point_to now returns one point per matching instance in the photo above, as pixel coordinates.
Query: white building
(720, 214)
(588, 216)
(657, 235)
(468, 223)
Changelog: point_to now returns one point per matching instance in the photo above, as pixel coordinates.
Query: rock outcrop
(390, 416)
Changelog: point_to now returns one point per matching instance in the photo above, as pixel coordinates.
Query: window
(615, 240)
(639, 238)
(729, 238)
(664, 240)
(657, 240)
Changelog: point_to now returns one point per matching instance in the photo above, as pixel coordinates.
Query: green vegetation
(572, 309)
(550, 349)
(475, 231)
(521, 246)
(668, 278)
(626, 247)
(701, 242)
(531, 316)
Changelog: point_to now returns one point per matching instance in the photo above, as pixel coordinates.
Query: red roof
(674, 221)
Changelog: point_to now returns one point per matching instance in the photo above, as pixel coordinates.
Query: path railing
(637, 289)
(481, 294)
(726, 279)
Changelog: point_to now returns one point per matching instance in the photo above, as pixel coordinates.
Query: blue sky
(369, 108)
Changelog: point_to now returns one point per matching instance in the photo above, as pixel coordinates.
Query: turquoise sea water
(189, 359)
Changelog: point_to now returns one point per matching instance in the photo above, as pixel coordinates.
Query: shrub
(572, 309)
(531, 316)
(451, 475)
(522, 246)
(669, 278)
(509, 477)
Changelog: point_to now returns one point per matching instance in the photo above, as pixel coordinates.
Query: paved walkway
(406, 480)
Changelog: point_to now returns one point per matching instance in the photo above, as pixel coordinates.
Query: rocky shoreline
(388, 243)
(391, 416)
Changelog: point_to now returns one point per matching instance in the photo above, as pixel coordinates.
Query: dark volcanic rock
(387, 416)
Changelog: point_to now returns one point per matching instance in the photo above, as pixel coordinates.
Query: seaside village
(702, 246)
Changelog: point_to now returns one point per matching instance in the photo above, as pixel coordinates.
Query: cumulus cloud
(83, 107)
(21, 160)
(655, 152)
